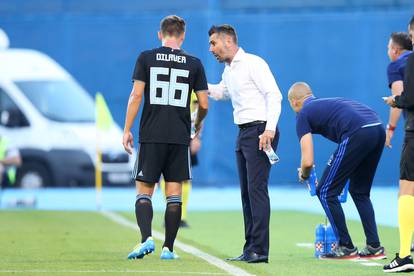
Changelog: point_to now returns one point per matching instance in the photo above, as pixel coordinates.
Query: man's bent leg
(331, 185)
(360, 189)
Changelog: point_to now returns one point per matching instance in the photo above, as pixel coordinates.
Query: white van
(50, 119)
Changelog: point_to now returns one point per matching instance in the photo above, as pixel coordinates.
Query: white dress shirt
(250, 85)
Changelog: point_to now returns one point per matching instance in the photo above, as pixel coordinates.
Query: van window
(59, 100)
(10, 113)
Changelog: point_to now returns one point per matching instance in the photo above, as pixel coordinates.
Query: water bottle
(312, 182)
(319, 240)
(273, 158)
(344, 194)
(330, 239)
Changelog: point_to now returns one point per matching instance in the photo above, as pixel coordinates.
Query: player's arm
(264, 80)
(306, 148)
(202, 98)
(134, 103)
(395, 113)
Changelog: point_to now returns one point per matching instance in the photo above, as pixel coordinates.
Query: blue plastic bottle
(319, 240)
(312, 182)
(344, 194)
(330, 239)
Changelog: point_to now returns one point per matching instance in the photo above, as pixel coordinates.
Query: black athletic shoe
(372, 253)
(341, 253)
(400, 265)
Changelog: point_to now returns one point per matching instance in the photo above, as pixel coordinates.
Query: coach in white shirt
(256, 98)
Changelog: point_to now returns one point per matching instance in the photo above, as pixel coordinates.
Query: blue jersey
(334, 118)
(395, 70)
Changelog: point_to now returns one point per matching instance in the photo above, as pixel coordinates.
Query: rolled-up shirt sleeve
(266, 83)
(218, 91)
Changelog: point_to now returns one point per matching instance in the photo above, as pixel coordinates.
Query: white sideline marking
(371, 264)
(110, 271)
(359, 260)
(305, 244)
(230, 269)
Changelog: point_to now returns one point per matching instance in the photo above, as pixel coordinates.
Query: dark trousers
(356, 159)
(254, 167)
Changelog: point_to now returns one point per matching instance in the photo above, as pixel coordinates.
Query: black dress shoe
(240, 258)
(256, 258)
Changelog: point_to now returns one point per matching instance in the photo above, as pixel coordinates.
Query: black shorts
(170, 160)
(407, 160)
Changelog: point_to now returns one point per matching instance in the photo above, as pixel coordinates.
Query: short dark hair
(411, 23)
(224, 29)
(403, 40)
(172, 25)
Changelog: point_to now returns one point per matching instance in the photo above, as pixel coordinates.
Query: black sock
(172, 220)
(144, 214)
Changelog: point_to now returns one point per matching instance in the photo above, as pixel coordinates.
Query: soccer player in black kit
(165, 77)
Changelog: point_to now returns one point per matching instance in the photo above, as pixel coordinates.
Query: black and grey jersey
(170, 76)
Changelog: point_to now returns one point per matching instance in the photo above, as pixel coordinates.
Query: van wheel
(33, 175)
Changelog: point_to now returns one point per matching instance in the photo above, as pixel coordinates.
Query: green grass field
(55, 242)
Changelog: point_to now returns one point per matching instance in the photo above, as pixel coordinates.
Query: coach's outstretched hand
(128, 142)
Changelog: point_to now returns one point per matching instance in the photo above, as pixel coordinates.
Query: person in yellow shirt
(195, 146)
(9, 159)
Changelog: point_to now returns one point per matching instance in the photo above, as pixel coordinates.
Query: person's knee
(173, 188)
(143, 199)
(174, 201)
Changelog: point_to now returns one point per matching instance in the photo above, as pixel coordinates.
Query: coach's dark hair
(411, 23)
(403, 40)
(224, 29)
(172, 25)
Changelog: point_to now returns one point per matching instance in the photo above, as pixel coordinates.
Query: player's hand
(266, 139)
(390, 101)
(128, 142)
(195, 145)
(300, 177)
(388, 137)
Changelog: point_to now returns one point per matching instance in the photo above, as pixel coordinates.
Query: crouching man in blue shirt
(360, 136)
